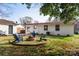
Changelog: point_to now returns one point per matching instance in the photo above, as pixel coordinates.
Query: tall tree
(65, 11)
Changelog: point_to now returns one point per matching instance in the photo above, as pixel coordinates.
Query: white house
(7, 27)
(54, 28)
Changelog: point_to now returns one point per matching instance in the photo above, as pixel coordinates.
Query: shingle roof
(54, 22)
(6, 22)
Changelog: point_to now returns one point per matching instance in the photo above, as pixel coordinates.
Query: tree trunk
(25, 29)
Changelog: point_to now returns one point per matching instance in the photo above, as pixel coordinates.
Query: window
(57, 27)
(45, 27)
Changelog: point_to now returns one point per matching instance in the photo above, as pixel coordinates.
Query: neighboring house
(20, 29)
(53, 28)
(76, 27)
(7, 27)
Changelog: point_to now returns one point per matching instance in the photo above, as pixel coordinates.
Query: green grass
(56, 45)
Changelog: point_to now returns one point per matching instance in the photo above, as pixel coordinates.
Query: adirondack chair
(17, 37)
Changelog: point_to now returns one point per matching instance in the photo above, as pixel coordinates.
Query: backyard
(55, 46)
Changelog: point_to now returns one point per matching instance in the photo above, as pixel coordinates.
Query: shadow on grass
(58, 37)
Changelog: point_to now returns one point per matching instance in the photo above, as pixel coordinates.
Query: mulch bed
(30, 44)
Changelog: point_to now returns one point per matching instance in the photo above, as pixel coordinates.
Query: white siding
(4, 28)
(14, 30)
(64, 30)
(30, 29)
(67, 29)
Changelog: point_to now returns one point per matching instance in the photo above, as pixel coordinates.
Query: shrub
(48, 33)
(30, 38)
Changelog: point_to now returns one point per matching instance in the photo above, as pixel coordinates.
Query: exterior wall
(76, 27)
(14, 29)
(30, 29)
(4, 28)
(64, 29)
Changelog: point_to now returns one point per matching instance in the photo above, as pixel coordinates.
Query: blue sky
(20, 10)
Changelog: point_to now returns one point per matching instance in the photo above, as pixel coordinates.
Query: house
(76, 27)
(53, 28)
(7, 27)
(19, 29)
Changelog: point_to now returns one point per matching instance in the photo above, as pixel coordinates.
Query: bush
(68, 35)
(58, 34)
(30, 38)
(48, 33)
(76, 32)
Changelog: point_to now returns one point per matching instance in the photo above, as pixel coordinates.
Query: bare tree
(25, 20)
(36, 21)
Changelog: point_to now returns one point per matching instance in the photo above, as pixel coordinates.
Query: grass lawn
(56, 45)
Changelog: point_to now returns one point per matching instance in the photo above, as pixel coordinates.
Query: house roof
(54, 22)
(6, 22)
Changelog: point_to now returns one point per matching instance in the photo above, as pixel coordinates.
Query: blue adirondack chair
(17, 37)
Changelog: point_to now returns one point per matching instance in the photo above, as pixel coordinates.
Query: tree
(25, 20)
(36, 21)
(65, 11)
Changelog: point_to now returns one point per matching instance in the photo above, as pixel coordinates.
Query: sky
(18, 11)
